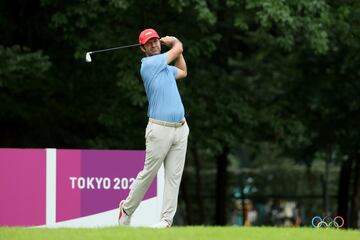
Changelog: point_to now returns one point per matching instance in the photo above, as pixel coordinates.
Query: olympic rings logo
(327, 222)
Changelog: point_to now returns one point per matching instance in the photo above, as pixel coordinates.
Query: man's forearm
(177, 44)
(180, 63)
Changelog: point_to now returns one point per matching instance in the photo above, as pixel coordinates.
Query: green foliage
(19, 67)
(23, 91)
(22, 79)
(292, 23)
(256, 68)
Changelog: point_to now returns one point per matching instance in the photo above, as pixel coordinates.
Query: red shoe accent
(121, 209)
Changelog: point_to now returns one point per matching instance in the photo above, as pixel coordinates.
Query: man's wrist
(175, 40)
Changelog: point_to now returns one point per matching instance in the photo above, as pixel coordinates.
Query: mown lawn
(177, 233)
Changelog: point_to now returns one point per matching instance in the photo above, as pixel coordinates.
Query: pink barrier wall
(87, 182)
(22, 187)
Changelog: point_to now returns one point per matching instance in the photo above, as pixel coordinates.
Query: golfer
(167, 132)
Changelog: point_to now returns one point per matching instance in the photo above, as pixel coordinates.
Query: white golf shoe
(124, 219)
(161, 224)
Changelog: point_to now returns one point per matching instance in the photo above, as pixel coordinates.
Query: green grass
(177, 233)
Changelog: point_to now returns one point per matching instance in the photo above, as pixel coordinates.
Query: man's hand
(176, 47)
(168, 41)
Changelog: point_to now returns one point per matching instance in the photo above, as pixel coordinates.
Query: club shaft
(114, 48)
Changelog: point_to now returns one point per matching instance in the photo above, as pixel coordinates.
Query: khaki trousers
(163, 145)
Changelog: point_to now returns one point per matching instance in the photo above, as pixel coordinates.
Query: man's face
(152, 47)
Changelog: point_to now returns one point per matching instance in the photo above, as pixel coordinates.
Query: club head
(88, 57)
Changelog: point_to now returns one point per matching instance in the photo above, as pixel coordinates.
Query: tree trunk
(221, 186)
(355, 201)
(198, 187)
(343, 192)
(185, 195)
(325, 188)
(327, 170)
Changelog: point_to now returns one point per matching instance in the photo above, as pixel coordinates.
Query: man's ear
(142, 48)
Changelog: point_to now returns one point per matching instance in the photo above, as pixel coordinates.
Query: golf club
(88, 54)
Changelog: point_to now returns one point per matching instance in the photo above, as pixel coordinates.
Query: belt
(168, 124)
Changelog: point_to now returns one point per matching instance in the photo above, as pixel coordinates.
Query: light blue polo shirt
(162, 92)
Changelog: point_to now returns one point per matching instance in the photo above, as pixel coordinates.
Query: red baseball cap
(146, 35)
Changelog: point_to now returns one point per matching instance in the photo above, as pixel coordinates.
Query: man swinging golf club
(167, 132)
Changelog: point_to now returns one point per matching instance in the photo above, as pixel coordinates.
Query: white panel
(50, 186)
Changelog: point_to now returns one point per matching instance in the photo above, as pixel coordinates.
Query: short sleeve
(173, 70)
